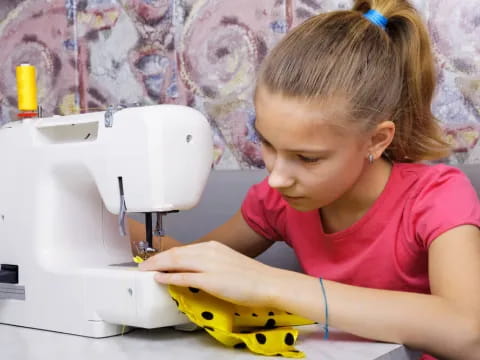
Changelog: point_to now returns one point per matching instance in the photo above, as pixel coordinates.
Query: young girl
(390, 245)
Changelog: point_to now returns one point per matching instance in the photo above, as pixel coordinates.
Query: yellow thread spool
(26, 87)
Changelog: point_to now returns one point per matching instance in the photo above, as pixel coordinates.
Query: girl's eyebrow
(321, 152)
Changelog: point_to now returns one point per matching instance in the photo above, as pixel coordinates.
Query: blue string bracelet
(377, 18)
(325, 327)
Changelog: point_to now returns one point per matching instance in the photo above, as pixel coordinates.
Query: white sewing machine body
(59, 205)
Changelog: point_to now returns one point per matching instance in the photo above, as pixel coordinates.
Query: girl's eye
(265, 143)
(308, 159)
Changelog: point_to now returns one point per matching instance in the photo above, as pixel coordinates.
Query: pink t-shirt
(388, 247)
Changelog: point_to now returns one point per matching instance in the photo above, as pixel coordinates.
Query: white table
(17, 343)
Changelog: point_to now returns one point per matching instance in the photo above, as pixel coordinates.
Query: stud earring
(370, 158)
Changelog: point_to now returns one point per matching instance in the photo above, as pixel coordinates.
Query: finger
(175, 259)
(184, 279)
(194, 257)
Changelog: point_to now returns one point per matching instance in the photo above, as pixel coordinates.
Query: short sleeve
(263, 210)
(447, 199)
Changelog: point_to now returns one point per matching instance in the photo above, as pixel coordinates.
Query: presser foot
(144, 252)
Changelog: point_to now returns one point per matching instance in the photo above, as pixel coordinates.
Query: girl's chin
(302, 206)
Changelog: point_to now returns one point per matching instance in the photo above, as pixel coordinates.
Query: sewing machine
(66, 185)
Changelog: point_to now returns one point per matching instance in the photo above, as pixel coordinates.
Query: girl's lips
(286, 197)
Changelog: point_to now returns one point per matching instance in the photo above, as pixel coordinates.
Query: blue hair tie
(376, 18)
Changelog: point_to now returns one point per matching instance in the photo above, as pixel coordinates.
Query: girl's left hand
(218, 270)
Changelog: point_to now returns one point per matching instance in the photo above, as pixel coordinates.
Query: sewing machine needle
(148, 229)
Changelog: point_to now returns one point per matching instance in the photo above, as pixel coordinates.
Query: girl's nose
(279, 177)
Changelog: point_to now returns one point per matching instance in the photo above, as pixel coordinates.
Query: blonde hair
(384, 74)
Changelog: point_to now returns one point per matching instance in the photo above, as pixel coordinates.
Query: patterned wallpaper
(204, 53)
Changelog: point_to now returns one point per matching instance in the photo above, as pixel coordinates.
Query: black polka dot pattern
(289, 339)
(270, 324)
(257, 327)
(261, 338)
(207, 315)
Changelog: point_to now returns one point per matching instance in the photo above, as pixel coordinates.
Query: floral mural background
(203, 53)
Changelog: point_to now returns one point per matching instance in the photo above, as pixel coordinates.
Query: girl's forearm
(425, 322)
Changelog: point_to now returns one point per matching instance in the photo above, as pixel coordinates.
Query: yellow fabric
(137, 259)
(262, 331)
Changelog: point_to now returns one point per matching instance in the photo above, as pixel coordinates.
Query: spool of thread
(26, 88)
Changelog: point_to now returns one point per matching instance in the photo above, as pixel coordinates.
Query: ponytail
(418, 135)
(384, 72)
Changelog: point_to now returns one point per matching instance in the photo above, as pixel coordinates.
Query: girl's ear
(381, 138)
